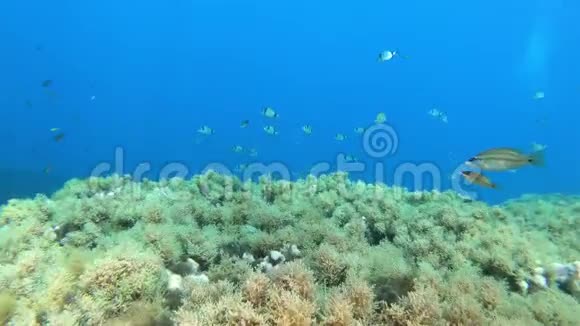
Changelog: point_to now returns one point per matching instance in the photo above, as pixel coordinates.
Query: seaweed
(320, 251)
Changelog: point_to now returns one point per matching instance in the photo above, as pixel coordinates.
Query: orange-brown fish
(503, 159)
(478, 179)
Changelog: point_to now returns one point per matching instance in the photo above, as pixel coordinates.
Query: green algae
(7, 307)
(217, 251)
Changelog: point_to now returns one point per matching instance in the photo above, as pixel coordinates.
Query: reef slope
(320, 251)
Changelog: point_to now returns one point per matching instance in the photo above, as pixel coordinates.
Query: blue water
(159, 70)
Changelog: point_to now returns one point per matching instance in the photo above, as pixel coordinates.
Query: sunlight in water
(535, 64)
(536, 56)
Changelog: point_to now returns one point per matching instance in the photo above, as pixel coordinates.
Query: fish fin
(537, 158)
(495, 186)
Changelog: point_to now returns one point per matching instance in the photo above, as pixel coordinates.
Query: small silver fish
(536, 147)
(386, 56)
(205, 130)
(269, 112)
(271, 130)
(381, 118)
(350, 158)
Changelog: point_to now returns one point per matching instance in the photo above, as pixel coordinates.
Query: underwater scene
(249, 163)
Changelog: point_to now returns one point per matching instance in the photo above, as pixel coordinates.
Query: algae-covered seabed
(322, 251)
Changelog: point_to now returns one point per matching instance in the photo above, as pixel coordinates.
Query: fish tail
(495, 186)
(537, 158)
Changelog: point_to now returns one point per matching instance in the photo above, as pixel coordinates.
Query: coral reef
(321, 251)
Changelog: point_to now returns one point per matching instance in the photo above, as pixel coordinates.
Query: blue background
(161, 69)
